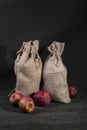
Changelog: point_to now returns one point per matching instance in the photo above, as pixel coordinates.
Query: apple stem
(11, 92)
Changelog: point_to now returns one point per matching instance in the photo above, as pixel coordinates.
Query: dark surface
(56, 116)
(61, 20)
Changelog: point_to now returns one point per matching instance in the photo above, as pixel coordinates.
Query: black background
(46, 21)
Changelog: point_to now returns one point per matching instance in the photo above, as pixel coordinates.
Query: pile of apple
(27, 103)
(41, 98)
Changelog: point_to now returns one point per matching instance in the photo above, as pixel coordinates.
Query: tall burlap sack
(28, 68)
(55, 74)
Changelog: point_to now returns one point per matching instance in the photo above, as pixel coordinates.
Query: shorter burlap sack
(28, 68)
(55, 74)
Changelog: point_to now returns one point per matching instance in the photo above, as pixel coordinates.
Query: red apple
(73, 91)
(42, 98)
(15, 97)
(26, 104)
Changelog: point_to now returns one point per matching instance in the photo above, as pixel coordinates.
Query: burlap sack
(28, 68)
(55, 74)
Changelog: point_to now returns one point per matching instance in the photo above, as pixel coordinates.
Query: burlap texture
(28, 68)
(55, 74)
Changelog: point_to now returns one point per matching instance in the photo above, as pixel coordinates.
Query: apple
(42, 98)
(26, 104)
(72, 91)
(15, 97)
